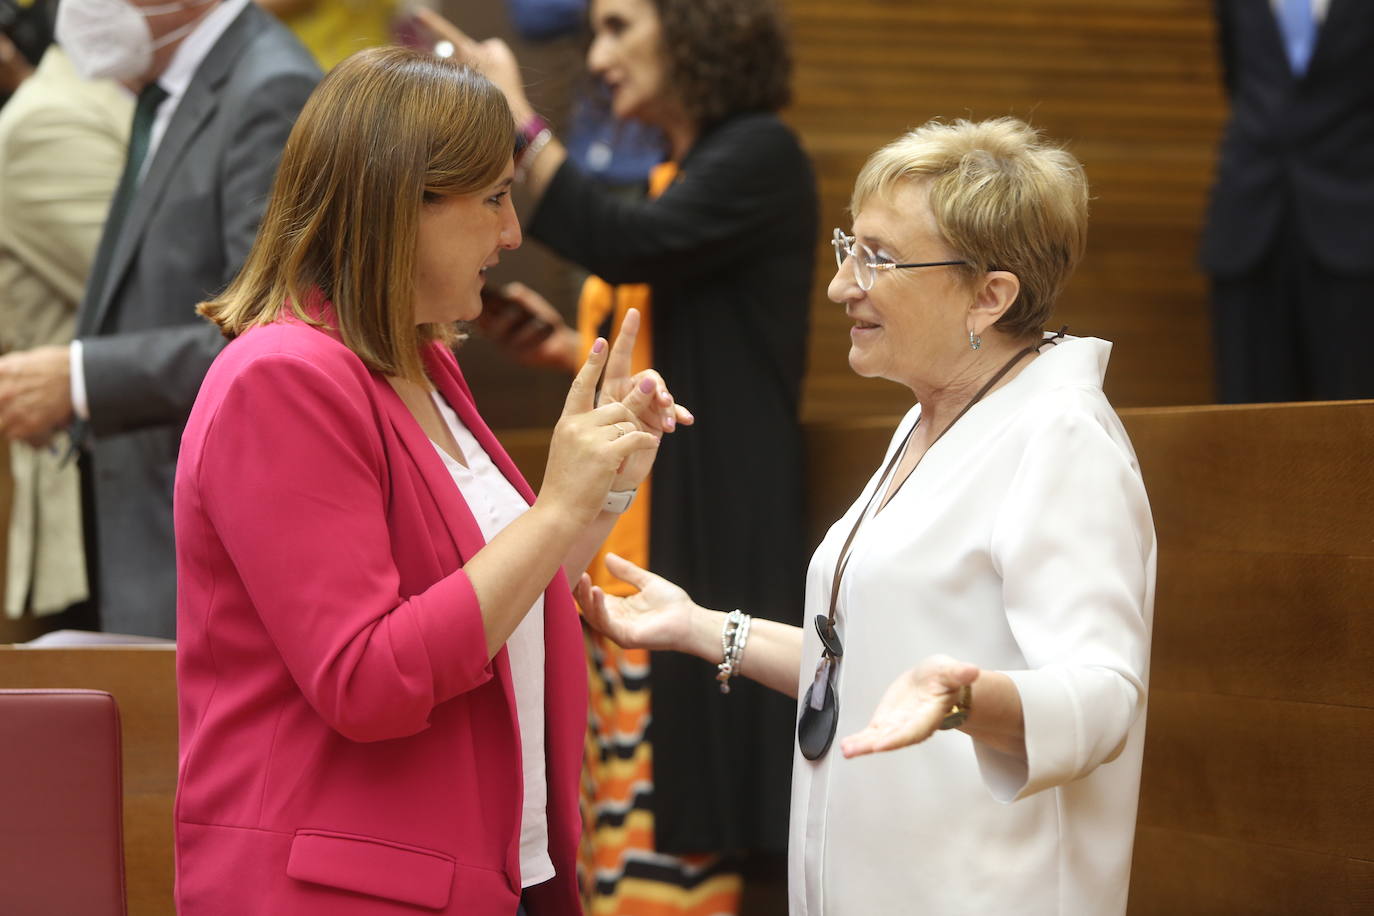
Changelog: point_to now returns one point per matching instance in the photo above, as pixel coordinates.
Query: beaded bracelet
(734, 635)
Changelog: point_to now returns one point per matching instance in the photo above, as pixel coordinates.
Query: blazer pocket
(378, 868)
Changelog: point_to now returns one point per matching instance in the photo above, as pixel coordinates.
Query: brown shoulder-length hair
(726, 56)
(385, 131)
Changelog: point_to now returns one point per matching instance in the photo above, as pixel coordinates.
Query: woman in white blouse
(995, 576)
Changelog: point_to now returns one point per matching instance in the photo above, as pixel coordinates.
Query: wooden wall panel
(1269, 625)
(1248, 878)
(1131, 86)
(1265, 479)
(1257, 794)
(1280, 773)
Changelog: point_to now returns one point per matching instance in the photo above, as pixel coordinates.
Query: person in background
(719, 259)
(334, 29)
(379, 663)
(989, 595)
(1289, 234)
(620, 153)
(219, 83)
(62, 144)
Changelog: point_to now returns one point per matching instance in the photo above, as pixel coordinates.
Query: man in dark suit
(221, 87)
(1289, 239)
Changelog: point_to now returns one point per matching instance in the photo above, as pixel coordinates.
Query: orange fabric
(617, 849)
(630, 537)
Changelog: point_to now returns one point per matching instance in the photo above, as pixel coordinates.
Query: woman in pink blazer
(382, 694)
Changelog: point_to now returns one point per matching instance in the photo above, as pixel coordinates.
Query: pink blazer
(346, 747)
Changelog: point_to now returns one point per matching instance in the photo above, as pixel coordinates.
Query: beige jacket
(62, 147)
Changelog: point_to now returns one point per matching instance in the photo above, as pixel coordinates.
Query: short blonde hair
(387, 130)
(1002, 197)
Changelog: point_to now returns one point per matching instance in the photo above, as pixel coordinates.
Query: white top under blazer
(494, 504)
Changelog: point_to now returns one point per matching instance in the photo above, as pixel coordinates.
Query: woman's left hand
(659, 415)
(659, 615)
(913, 707)
(492, 58)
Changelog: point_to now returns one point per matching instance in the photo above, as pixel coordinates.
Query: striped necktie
(145, 113)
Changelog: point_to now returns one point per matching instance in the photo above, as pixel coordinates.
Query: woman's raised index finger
(582, 392)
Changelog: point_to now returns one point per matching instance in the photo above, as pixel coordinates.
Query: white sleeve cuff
(1004, 774)
(78, 371)
(1075, 720)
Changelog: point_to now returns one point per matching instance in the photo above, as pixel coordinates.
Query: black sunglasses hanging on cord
(820, 706)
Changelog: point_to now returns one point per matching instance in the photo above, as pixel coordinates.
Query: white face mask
(110, 39)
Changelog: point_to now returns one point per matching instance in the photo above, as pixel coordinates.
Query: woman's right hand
(660, 615)
(591, 443)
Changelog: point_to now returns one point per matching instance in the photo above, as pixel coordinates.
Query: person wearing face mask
(721, 254)
(219, 84)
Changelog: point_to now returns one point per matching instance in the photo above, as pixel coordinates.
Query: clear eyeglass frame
(867, 264)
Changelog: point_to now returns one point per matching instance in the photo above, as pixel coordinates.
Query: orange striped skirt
(620, 873)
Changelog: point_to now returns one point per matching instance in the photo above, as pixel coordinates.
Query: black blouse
(728, 250)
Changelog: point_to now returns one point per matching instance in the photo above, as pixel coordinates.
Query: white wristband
(618, 501)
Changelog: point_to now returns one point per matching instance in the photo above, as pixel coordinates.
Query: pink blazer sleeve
(295, 482)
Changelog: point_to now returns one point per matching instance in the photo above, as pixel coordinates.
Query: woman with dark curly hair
(719, 259)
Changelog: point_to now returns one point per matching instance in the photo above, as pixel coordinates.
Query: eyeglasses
(867, 264)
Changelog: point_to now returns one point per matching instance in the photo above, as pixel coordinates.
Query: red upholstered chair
(61, 834)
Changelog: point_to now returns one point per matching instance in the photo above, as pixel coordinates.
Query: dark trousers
(1293, 330)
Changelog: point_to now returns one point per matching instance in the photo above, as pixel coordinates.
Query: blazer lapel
(458, 518)
(1330, 29)
(192, 112)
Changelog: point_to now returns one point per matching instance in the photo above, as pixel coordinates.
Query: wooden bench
(1258, 792)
